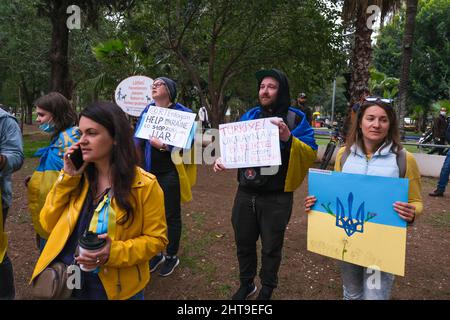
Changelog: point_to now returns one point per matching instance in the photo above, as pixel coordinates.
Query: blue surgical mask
(47, 127)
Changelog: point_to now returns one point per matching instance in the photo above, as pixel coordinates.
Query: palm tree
(355, 15)
(408, 38)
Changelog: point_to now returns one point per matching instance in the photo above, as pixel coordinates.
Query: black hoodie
(281, 106)
(270, 183)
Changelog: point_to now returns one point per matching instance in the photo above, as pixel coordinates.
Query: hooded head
(171, 87)
(279, 107)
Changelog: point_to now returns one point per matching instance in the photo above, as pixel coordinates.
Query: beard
(266, 103)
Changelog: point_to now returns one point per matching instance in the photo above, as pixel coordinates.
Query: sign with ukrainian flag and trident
(354, 220)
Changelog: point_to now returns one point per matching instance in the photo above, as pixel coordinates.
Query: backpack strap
(292, 120)
(344, 157)
(401, 162)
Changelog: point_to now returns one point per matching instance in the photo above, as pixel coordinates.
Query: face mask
(443, 113)
(47, 127)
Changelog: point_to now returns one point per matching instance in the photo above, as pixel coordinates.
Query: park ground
(209, 269)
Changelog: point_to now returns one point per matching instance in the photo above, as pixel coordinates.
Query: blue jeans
(445, 172)
(138, 296)
(360, 283)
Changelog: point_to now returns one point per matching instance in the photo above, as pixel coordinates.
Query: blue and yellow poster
(354, 219)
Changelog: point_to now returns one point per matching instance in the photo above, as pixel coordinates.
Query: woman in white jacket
(374, 148)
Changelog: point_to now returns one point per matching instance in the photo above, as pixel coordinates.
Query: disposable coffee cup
(89, 242)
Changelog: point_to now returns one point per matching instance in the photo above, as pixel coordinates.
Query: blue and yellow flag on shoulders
(354, 220)
(50, 164)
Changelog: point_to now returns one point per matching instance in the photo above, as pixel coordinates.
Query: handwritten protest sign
(253, 143)
(133, 94)
(172, 127)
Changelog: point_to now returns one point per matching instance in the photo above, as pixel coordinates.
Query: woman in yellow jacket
(108, 195)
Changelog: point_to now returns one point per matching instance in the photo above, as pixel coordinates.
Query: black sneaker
(156, 261)
(244, 292)
(169, 265)
(437, 193)
(265, 293)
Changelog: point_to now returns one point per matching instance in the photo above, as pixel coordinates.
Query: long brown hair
(62, 112)
(123, 155)
(355, 135)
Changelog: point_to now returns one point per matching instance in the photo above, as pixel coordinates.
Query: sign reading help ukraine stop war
(133, 94)
(253, 143)
(173, 127)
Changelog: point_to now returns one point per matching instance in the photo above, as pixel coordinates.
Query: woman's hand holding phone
(73, 160)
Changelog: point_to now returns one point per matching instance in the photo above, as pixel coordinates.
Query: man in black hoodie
(263, 202)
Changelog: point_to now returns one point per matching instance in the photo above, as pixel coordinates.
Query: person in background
(445, 170)
(203, 117)
(301, 105)
(11, 159)
(55, 117)
(439, 129)
(176, 180)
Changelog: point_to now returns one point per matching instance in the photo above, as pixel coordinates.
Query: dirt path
(209, 270)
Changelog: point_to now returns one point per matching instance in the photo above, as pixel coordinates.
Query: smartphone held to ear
(77, 158)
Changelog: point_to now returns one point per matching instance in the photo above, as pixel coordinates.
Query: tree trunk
(361, 55)
(60, 79)
(360, 63)
(28, 101)
(215, 115)
(408, 39)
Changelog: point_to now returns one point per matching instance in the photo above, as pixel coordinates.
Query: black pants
(170, 184)
(7, 291)
(266, 216)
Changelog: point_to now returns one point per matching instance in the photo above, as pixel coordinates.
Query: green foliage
(211, 49)
(214, 50)
(324, 96)
(382, 85)
(23, 52)
(430, 67)
(33, 144)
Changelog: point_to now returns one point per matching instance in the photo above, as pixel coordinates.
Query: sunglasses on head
(375, 99)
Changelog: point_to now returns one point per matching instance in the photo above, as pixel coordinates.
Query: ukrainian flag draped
(47, 172)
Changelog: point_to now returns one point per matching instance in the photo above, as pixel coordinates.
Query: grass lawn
(32, 143)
